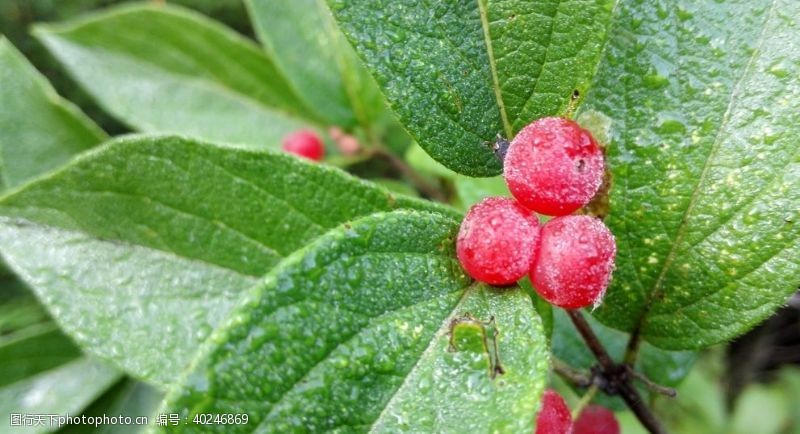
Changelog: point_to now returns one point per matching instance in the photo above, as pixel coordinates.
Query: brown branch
(616, 377)
(591, 339)
(634, 400)
(632, 349)
(575, 376)
(652, 386)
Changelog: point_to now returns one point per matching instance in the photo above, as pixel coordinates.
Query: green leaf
(542, 306)
(459, 73)
(34, 354)
(174, 71)
(667, 368)
(789, 382)
(33, 349)
(18, 308)
(473, 190)
(699, 406)
(352, 334)
(127, 398)
(702, 99)
(64, 390)
(4, 271)
(304, 41)
(40, 130)
(141, 247)
(422, 162)
(30, 342)
(396, 186)
(760, 409)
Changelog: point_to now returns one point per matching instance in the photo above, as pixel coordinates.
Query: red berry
(553, 166)
(497, 241)
(554, 416)
(304, 143)
(596, 419)
(575, 261)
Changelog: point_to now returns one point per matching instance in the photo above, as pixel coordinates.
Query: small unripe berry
(304, 143)
(553, 166)
(335, 132)
(554, 416)
(596, 419)
(575, 261)
(348, 145)
(497, 241)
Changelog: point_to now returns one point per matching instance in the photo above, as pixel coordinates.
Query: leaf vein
(498, 94)
(177, 210)
(265, 192)
(347, 339)
(746, 205)
(427, 351)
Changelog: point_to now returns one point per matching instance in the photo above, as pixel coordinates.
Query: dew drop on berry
(575, 261)
(553, 166)
(497, 241)
(596, 419)
(554, 416)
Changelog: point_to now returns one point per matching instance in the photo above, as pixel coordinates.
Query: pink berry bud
(348, 145)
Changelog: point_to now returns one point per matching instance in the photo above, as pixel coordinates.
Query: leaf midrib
(657, 289)
(498, 94)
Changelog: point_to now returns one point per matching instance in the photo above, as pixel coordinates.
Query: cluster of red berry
(552, 167)
(555, 418)
(308, 144)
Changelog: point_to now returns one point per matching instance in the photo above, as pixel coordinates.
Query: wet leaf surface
(702, 99)
(353, 333)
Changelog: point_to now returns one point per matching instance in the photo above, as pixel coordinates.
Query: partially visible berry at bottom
(304, 143)
(497, 241)
(554, 416)
(596, 419)
(575, 261)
